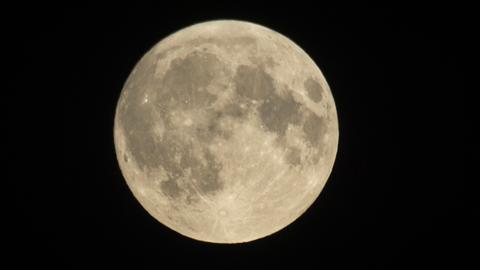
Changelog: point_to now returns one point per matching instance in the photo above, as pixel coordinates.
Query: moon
(226, 131)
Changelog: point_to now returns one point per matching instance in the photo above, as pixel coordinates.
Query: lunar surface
(226, 131)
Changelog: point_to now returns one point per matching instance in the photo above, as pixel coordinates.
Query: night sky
(397, 196)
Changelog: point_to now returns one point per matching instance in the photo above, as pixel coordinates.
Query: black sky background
(397, 196)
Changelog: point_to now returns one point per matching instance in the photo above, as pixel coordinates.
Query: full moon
(226, 131)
